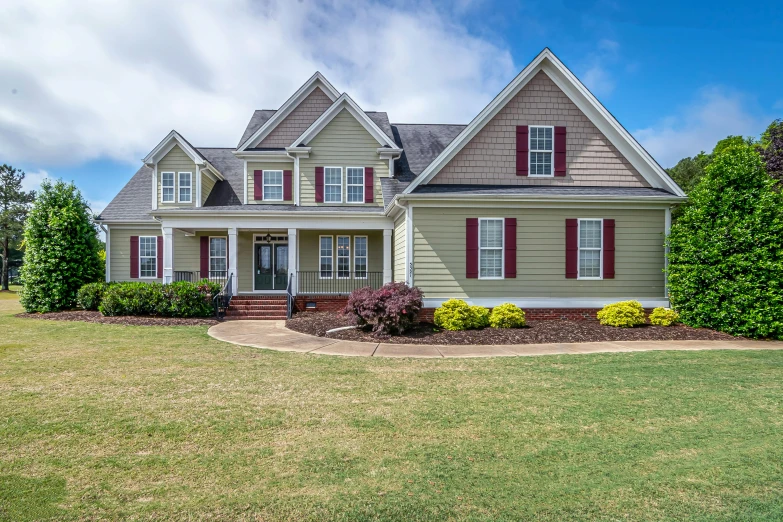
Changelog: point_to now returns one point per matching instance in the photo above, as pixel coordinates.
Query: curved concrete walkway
(273, 335)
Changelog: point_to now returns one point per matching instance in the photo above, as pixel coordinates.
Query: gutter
(547, 198)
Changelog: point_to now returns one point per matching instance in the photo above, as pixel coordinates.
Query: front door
(263, 266)
(281, 267)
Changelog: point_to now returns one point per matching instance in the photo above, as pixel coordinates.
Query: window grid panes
(355, 184)
(148, 256)
(590, 248)
(273, 185)
(343, 257)
(491, 248)
(333, 184)
(360, 257)
(325, 257)
(217, 257)
(185, 189)
(541, 148)
(167, 187)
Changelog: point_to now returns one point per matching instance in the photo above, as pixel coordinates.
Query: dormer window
(185, 187)
(167, 187)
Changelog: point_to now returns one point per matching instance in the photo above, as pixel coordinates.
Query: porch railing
(317, 282)
(289, 295)
(215, 276)
(223, 299)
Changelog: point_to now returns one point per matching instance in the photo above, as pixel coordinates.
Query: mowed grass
(113, 422)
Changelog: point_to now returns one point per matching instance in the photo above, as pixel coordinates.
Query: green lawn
(112, 422)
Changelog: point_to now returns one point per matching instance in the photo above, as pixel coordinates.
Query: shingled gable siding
(120, 247)
(177, 161)
(439, 254)
(298, 120)
(342, 143)
(267, 165)
(398, 248)
(490, 157)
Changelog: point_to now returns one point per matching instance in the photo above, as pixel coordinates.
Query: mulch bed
(317, 323)
(128, 320)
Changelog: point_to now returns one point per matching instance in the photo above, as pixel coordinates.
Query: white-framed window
(325, 256)
(542, 143)
(333, 184)
(591, 244)
(185, 187)
(218, 261)
(167, 187)
(343, 257)
(354, 177)
(360, 257)
(273, 185)
(148, 257)
(491, 232)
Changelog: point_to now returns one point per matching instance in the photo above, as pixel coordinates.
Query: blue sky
(85, 98)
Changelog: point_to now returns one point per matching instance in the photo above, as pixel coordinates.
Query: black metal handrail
(214, 276)
(223, 298)
(316, 282)
(289, 292)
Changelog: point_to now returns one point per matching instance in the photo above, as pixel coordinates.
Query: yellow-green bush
(663, 316)
(625, 314)
(507, 315)
(456, 314)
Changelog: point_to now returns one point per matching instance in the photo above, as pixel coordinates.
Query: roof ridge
(452, 124)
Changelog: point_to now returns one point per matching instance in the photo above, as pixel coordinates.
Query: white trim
(179, 187)
(154, 257)
(409, 245)
(342, 182)
(155, 187)
(198, 185)
(549, 63)
(579, 249)
(296, 180)
(332, 271)
(347, 199)
(366, 255)
(108, 255)
(549, 302)
(543, 200)
(279, 220)
(173, 187)
(502, 248)
(245, 167)
(337, 256)
(163, 148)
(316, 80)
(531, 151)
(264, 185)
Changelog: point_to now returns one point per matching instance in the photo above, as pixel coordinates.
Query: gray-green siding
(398, 248)
(119, 251)
(253, 166)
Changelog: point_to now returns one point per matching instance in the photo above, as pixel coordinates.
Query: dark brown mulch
(317, 323)
(128, 320)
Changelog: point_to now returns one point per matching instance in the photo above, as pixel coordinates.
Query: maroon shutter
(572, 248)
(160, 257)
(288, 185)
(204, 256)
(560, 151)
(608, 248)
(471, 248)
(319, 184)
(368, 185)
(258, 185)
(523, 146)
(510, 249)
(134, 255)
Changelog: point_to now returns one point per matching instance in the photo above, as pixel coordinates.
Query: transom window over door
(590, 248)
(273, 185)
(333, 185)
(491, 248)
(185, 187)
(541, 148)
(355, 184)
(343, 257)
(167, 187)
(148, 256)
(360, 257)
(217, 257)
(325, 257)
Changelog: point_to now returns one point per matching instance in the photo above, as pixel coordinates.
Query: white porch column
(293, 246)
(168, 254)
(233, 255)
(387, 256)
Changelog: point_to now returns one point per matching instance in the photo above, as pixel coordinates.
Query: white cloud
(715, 114)
(33, 180)
(82, 80)
(596, 77)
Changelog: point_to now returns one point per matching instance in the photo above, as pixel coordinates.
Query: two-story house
(543, 200)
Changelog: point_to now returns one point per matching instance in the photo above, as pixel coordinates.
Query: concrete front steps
(257, 307)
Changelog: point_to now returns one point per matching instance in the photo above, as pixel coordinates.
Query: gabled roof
(258, 118)
(421, 144)
(546, 61)
(316, 81)
(345, 102)
(175, 138)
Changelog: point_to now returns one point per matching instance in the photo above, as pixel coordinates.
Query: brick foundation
(323, 303)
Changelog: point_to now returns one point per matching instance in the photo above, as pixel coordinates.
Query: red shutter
(134, 257)
(523, 146)
(288, 185)
(160, 257)
(608, 248)
(510, 249)
(368, 185)
(560, 151)
(258, 185)
(572, 248)
(204, 256)
(471, 248)
(319, 184)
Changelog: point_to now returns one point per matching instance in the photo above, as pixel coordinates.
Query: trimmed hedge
(664, 317)
(507, 315)
(89, 296)
(180, 299)
(456, 314)
(625, 314)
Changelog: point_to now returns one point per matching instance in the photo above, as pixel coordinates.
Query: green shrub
(180, 299)
(480, 317)
(183, 299)
(625, 314)
(456, 314)
(90, 295)
(507, 315)
(663, 316)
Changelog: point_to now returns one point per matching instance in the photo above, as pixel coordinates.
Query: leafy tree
(689, 171)
(726, 258)
(61, 249)
(771, 149)
(14, 204)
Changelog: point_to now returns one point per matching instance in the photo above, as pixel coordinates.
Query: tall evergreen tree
(14, 204)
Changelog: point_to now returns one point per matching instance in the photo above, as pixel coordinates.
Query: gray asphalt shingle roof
(421, 144)
(134, 201)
